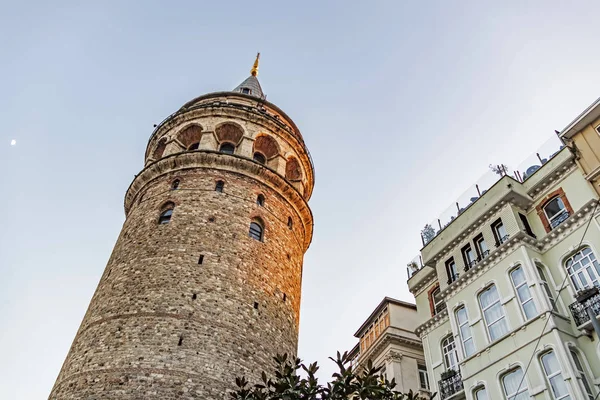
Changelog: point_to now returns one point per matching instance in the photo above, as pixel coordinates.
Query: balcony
(579, 308)
(450, 386)
(501, 240)
(453, 278)
(559, 219)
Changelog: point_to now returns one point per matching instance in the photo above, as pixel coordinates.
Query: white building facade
(496, 288)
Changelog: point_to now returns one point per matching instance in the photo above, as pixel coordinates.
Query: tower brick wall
(164, 325)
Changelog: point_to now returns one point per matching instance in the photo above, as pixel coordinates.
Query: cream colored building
(492, 317)
(387, 338)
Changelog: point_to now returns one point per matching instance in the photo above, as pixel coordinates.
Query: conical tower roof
(251, 86)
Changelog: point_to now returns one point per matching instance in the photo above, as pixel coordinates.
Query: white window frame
(488, 323)
(540, 270)
(482, 252)
(499, 225)
(550, 376)
(465, 324)
(523, 302)
(523, 389)
(478, 390)
(582, 375)
(584, 270)
(423, 377)
(449, 350)
(436, 303)
(558, 214)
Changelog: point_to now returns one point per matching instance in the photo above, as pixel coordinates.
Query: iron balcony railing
(559, 219)
(450, 386)
(578, 310)
(502, 240)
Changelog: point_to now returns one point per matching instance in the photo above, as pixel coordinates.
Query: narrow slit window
(219, 186)
(290, 223)
(194, 146)
(175, 184)
(201, 259)
(256, 231)
(194, 296)
(256, 305)
(165, 216)
(180, 340)
(260, 200)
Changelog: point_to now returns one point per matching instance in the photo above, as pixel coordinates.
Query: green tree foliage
(347, 384)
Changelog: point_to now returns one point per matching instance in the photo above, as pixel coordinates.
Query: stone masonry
(184, 307)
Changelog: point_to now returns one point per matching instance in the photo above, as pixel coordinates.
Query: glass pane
(493, 313)
(554, 207)
(530, 309)
(518, 276)
(550, 363)
(481, 394)
(586, 251)
(523, 293)
(498, 329)
(461, 315)
(469, 347)
(512, 380)
(559, 387)
(465, 331)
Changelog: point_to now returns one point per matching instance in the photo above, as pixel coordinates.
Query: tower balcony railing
(450, 386)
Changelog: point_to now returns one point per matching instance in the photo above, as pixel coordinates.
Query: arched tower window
(227, 148)
(194, 146)
(266, 146)
(256, 230)
(293, 172)
(175, 184)
(190, 137)
(229, 132)
(260, 200)
(160, 149)
(290, 223)
(219, 186)
(258, 157)
(167, 213)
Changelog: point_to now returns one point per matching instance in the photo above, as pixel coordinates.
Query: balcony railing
(452, 278)
(578, 310)
(502, 240)
(559, 219)
(438, 308)
(450, 386)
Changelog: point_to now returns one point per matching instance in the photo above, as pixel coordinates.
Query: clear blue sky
(402, 104)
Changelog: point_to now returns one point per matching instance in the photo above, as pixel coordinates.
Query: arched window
(290, 223)
(582, 378)
(175, 184)
(260, 200)
(194, 146)
(167, 212)
(583, 268)
(219, 186)
(515, 387)
(517, 276)
(450, 354)
(480, 393)
(462, 318)
(258, 157)
(227, 148)
(556, 212)
(493, 313)
(553, 373)
(160, 149)
(256, 231)
(546, 286)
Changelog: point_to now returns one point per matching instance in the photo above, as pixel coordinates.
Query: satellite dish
(531, 170)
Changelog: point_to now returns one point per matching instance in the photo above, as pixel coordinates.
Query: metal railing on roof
(521, 173)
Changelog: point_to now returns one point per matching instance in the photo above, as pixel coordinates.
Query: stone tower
(203, 284)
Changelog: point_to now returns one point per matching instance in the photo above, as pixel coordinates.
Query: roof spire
(254, 70)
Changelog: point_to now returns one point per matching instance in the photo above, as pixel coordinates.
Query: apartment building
(387, 339)
(496, 284)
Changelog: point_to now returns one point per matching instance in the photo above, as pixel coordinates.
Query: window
(227, 148)
(194, 146)
(438, 301)
(258, 157)
(499, 232)
(423, 377)
(260, 200)
(481, 246)
(526, 225)
(556, 211)
(517, 276)
(165, 216)
(583, 268)
(375, 330)
(219, 186)
(451, 270)
(493, 313)
(462, 318)
(515, 387)
(480, 394)
(256, 231)
(546, 287)
(581, 375)
(175, 184)
(450, 354)
(290, 223)
(554, 376)
(246, 90)
(469, 257)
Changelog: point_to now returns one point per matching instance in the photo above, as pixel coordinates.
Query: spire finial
(254, 70)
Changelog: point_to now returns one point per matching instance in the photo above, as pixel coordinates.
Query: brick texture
(162, 326)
